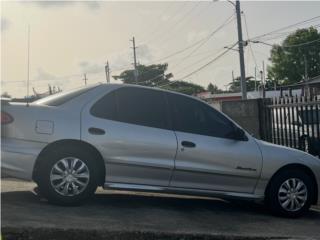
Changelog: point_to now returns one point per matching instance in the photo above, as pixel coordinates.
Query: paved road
(125, 212)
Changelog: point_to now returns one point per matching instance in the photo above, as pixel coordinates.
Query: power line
(195, 43)
(199, 69)
(156, 24)
(286, 27)
(249, 43)
(283, 34)
(225, 23)
(180, 23)
(194, 63)
(289, 46)
(207, 64)
(156, 33)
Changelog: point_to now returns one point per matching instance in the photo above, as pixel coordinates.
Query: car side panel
(217, 164)
(132, 153)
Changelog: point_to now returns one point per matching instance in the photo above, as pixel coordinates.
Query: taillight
(6, 118)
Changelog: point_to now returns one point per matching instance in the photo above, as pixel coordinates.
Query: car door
(208, 157)
(131, 129)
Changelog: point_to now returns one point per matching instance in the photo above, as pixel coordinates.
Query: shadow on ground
(117, 215)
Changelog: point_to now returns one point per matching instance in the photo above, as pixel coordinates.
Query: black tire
(46, 165)
(272, 197)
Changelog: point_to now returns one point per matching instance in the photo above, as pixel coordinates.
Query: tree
(156, 76)
(152, 75)
(184, 87)
(5, 95)
(213, 89)
(288, 59)
(235, 85)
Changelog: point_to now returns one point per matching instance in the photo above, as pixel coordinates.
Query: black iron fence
(292, 122)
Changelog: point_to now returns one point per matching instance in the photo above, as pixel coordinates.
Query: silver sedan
(137, 138)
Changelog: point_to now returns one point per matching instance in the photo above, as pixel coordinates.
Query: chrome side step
(136, 187)
(181, 191)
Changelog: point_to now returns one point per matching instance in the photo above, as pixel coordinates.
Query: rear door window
(133, 105)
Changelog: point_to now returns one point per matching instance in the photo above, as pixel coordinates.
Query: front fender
(276, 157)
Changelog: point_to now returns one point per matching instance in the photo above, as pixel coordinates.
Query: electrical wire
(286, 27)
(249, 43)
(289, 46)
(200, 68)
(224, 24)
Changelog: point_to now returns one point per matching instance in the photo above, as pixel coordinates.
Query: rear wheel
(67, 176)
(290, 193)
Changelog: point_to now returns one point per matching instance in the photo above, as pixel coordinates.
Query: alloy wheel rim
(69, 176)
(293, 194)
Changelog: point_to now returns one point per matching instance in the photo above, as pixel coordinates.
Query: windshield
(61, 98)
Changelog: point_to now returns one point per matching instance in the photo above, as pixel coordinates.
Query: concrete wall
(245, 113)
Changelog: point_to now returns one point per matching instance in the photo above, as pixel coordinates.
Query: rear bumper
(18, 157)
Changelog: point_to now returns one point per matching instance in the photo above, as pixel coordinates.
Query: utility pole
(241, 55)
(28, 71)
(264, 73)
(255, 79)
(85, 79)
(135, 60)
(107, 69)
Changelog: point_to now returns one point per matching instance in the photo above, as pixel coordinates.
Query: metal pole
(28, 72)
(107, 69)
(255, 79)
(85, 79)
(241, 55)
(135, 61)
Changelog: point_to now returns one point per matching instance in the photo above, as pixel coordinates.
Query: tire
(278, 193)
(67, 176)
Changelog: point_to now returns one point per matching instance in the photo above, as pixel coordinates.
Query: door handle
(96, 131)
(188, 144)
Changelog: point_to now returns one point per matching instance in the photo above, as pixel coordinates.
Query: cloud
(92, 5)
(118, 62)
(91, 67)
(4, 24)
(194, 36)
(144, 53)
(43, 75)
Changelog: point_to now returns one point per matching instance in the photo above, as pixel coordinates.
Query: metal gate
(292, 122)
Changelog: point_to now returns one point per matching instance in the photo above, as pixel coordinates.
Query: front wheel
(290, 193)
(67, 176)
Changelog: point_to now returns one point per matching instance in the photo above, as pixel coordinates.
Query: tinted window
(105, 107)
(142, 107)
(196, 117)
(134, 105)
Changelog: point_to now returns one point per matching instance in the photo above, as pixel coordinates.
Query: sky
(69, 38)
